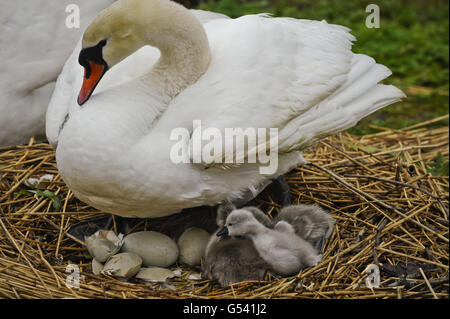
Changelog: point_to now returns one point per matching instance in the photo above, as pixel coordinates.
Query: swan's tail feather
(358, 97)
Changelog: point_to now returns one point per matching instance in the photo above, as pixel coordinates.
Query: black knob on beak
(223, 232)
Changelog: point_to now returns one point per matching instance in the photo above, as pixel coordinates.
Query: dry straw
(389, 210)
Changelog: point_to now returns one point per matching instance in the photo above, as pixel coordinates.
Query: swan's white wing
(35, 43)
(359, 96)
(299, 76)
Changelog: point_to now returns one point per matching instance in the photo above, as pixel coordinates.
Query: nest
(384, 190)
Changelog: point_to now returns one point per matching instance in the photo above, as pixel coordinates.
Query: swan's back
(299, 76)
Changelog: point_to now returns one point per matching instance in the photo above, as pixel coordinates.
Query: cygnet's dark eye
(230, 224)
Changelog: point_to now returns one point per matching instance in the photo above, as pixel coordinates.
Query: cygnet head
(126, 26)
(239, 223)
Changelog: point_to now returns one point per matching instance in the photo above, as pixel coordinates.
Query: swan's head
(240, 222)
(126, 26)
(110, 38)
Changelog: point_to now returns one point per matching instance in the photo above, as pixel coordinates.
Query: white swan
(35, 43)
(113, 151)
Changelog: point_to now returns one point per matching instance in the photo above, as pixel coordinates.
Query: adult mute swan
(35, 43)
(113, 143)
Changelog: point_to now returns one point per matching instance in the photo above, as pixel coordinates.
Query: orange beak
(90, 81)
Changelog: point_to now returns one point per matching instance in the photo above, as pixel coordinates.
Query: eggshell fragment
(39, 182)
(124, 265)
(103, 244)
(97, 267)
(195, 276)
(155, 274)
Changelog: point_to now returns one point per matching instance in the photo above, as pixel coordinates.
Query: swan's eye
(93, 54)
(230, 224)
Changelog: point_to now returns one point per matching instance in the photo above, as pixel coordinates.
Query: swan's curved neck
(180, 66)
(128, 25)
(184, 47)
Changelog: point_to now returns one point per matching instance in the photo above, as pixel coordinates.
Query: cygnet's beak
(92, 75)
(223, 232)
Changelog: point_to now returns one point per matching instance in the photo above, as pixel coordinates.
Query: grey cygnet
(310, 222)
(285, 251)
(234, 259)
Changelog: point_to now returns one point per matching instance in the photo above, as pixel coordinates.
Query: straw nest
(384, 190)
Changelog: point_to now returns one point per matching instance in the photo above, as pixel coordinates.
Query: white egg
(192, 244)
(154, 248)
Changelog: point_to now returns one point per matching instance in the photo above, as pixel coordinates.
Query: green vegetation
(440, 166)
(413, 41)
(44, 193)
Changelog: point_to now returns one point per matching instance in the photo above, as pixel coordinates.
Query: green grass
(440, 166)
(413, 41)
